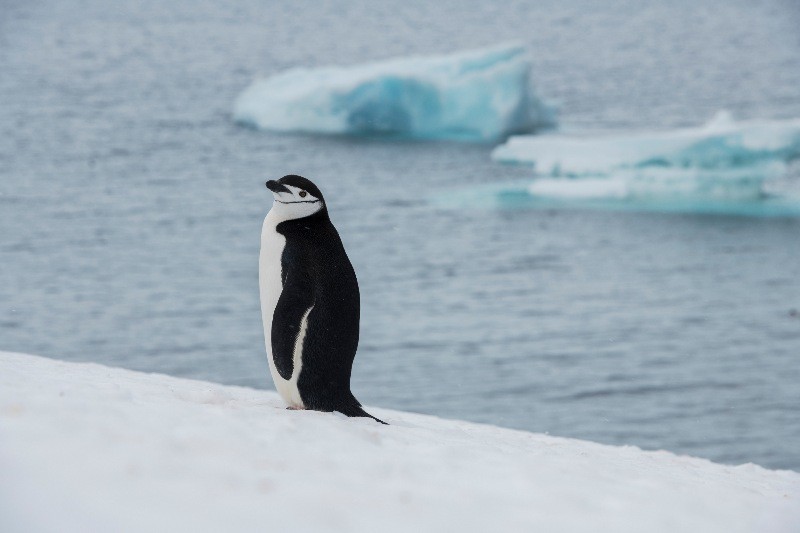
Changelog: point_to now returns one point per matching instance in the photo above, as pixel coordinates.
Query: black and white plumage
(310, 303)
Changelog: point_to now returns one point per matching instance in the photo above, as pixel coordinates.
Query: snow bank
(480, 95)
(89, 448)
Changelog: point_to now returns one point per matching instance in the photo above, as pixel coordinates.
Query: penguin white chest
(271, 285)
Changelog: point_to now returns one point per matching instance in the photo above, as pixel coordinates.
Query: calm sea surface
(131, 207)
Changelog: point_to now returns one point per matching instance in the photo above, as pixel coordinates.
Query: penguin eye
(303, 194)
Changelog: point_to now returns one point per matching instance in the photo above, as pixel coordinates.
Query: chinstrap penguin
(310, 302)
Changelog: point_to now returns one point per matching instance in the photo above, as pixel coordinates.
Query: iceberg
(756, 191)
(659, 183)
(722, 143)
(482, 95)
(723, 166)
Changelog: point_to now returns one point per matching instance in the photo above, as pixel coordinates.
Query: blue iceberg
(482, 95)
(722, 143)
(758, 191)
(722, 167)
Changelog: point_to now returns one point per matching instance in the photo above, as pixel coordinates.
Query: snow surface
(480, 95)
(86, 448)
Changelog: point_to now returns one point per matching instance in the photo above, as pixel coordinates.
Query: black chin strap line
(298, 202)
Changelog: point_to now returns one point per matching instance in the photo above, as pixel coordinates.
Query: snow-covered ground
(479, 95)
(85, 447)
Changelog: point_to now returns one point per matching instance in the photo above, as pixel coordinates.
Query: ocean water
(131, 206)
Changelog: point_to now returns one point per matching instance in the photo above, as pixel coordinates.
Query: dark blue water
(131, 206)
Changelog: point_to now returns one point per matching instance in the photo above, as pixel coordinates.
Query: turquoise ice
(482, 95)
(721, 144)
(723, 166)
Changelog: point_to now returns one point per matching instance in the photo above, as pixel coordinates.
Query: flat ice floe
(84, 447)
(722, 167)
(741, 194)
(720, 144)
(480, 95)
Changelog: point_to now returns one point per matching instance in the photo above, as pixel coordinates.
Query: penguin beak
(276, 187)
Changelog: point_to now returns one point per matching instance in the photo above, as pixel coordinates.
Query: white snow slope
(87, 448)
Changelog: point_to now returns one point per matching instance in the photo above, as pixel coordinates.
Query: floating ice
(664, 183)
(764, 190)
(720, 144)
(480, 95)
(722, 167)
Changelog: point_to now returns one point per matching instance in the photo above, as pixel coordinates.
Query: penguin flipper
(295, 301)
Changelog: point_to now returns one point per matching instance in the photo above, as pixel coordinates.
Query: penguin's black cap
(295, 181)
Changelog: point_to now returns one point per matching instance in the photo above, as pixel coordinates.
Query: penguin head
(295, 197)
